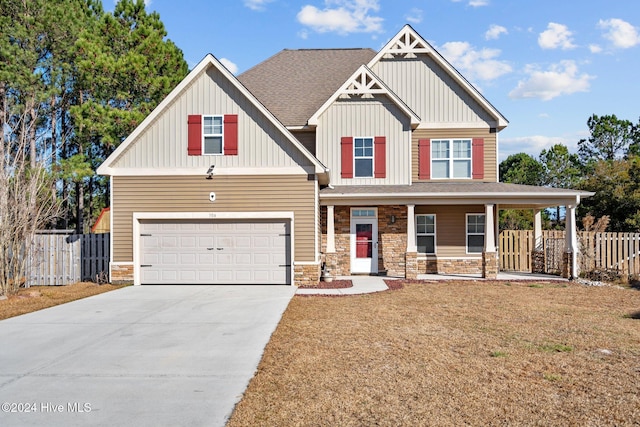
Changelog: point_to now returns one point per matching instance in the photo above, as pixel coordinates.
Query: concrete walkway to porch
(371, 284)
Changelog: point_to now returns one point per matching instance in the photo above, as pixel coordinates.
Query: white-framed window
(450, 158)
(426, 233)
(212, 136)
(475, 233)
(363, 157)
(363, 212)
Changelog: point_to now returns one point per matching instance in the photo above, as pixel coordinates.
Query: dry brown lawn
(39, 297)
(450, 354)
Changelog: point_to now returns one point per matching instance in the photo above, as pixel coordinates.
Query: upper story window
(451, 158)
(212, 135)
(475, 233)
(426, 234)
(363, 157)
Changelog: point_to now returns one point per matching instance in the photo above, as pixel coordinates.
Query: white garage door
(215, 252)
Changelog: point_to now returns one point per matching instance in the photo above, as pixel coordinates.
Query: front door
(364, 245)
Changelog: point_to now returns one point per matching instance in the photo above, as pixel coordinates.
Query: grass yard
(39, 297)
(453, 353)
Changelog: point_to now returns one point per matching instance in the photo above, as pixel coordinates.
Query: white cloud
(475, 64)
(620, 33)
(495, 31)
(594, 48)
(556, 36)
(229, 65)
(342, 17)
(414, 16)
(559, 79)
(256, 4)
(533, 144)
(474, 3)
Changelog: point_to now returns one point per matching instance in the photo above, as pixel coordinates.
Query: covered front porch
(432, 228)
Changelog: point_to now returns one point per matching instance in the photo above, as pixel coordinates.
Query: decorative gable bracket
(365, 82)
(407, 42)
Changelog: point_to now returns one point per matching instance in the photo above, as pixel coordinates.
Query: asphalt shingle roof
(293, 84)
(437, 188)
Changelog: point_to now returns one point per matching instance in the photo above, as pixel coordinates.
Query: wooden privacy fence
(619, 252)
(61, 259)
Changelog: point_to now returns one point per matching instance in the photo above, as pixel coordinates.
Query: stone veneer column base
(490, 265)
(121, 273)
(537, 262)
(306, 274)
(567, 258)
(411, 265)
(331, 264)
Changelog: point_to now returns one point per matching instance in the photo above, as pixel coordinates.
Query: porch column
(570, 262)
(537, 256)
(489, 229)
(331, 232)
(411, 257)
(411, 229)
(489, 254)
(537, 227)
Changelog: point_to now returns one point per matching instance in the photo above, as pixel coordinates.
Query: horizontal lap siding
(233, 194)
(490, 152)
(451, 228)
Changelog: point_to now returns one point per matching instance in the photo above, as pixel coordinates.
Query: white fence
(61, 259)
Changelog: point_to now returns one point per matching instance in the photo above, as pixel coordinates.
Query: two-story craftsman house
(369, 162)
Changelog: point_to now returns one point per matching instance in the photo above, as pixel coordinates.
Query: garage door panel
(215, 251)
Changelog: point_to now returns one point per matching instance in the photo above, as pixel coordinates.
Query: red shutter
(424, 159)
(231, 134)
(194, 138)
(380, 156)
(347, 156)
(477, 158)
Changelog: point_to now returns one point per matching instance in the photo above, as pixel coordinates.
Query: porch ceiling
(454, 193)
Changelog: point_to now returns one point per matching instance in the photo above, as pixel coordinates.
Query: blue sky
(547, 65)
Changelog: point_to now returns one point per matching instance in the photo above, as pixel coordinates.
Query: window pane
(208, 124)
(462, 149)
(440, 169)
(217, 125)
(426, 244)
(440, 149)
(475, 243)
(364, 168)
(212, 145)
(462, 168)
(475, 224)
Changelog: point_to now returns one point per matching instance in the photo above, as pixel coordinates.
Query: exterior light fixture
(210, 172)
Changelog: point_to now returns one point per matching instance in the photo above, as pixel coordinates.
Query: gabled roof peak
(408, 42)
(365, 82)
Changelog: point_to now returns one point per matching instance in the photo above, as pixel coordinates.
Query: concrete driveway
(143, 356)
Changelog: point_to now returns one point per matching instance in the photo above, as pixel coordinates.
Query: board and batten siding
(366, 118)
(264, 193)
(451, 223)
(490, 149)
(163, 144)
(430, 92)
